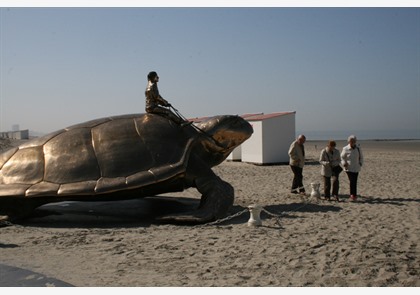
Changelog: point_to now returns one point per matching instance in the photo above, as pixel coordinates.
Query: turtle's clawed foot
(217, 198)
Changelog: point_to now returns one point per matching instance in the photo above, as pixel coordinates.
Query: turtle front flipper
(216, 200)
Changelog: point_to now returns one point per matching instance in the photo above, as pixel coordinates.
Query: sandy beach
(373, 242)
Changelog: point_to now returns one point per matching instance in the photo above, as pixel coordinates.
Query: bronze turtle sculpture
(123, 157)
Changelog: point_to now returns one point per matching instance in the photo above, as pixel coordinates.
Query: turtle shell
(97, 157)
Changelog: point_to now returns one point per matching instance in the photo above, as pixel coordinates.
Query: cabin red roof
(262, 116)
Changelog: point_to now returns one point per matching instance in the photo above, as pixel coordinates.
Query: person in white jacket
(330, 160)
(352, 161)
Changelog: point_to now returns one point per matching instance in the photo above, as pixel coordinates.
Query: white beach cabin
(270, 142)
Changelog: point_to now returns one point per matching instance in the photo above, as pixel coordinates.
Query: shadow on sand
(389, 201)
(141, 212)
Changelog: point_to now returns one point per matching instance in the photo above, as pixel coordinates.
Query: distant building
(20, 134)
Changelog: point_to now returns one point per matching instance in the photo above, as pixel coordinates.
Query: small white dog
(315, 190)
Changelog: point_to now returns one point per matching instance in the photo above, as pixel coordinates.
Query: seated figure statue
(156, 104)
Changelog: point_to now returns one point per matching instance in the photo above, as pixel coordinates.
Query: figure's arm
(344, 157)
(323, 158)
(360, 156)
(292, 151)
(159, 98)
(163, 101)
(336, 158)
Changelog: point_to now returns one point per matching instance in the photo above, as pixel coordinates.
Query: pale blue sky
(336, 67)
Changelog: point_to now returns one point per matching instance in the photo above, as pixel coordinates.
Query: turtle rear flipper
(17, 208)
(216, 200)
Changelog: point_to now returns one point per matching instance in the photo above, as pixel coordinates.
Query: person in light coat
(329, 159)
(297, 161)
(352, 161)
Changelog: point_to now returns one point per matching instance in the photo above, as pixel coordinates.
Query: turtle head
(227, 132)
